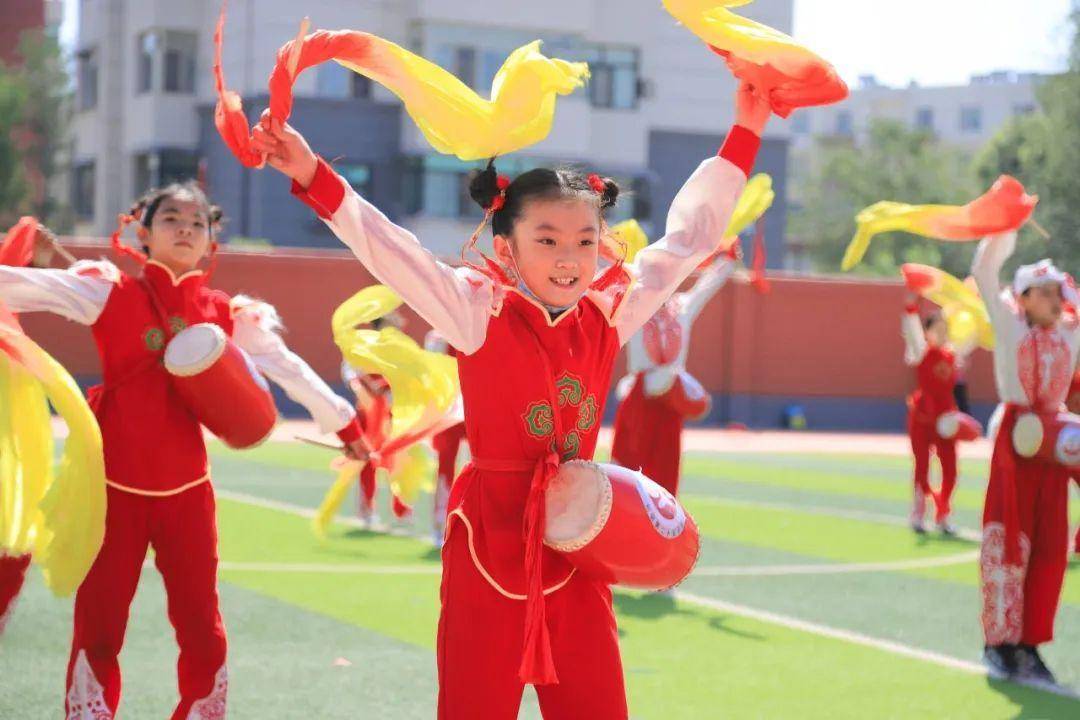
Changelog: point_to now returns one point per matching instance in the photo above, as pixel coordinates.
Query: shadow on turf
(652, 606)
(1036, 704)
(930, 539)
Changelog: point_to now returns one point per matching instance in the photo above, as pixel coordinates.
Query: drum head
(194, 349)
(578, 504)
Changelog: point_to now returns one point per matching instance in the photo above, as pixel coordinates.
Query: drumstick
(320, 443)
(1039, 229)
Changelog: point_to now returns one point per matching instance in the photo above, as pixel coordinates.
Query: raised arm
(78, 293)
(695, 225)
(990, 257)
(914, 337)
(457, 303)
(255, 327)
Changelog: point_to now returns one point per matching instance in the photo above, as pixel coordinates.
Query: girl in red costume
(659, 394)
(159, 492)
(1025, 519)
(927, 350)
(537, 334)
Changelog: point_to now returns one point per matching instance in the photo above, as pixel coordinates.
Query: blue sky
(934, 42)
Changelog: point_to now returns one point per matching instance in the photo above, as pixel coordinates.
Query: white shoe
(370, 520)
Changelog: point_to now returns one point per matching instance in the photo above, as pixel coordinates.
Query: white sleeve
(637, 359)
(695, 226)
(78, 293)
(990, 256)
(455, 302)
(254, 331)
(708, 284)
(914, 338)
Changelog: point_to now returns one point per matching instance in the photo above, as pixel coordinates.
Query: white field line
(889, 646)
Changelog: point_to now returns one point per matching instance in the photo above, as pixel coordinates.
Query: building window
(800, 124)
(970, 119)
(87, 62)
(845, 124)
(924, 118)
(83, 190)
(465, 65)
(168, 55)
(179, 55)
(162, 167)
(338, 82)
(615, 81)
(147, 45)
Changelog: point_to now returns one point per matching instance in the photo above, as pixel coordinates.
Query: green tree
(894, 162)
(1043, 151)
(34, 120)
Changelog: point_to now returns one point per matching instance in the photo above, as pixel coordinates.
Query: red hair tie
(118, 245)
(597, 184)
(499, 201)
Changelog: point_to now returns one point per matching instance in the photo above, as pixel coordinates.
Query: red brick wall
(808, 337)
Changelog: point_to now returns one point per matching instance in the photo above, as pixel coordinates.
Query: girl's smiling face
(554, 248)
(179, 233)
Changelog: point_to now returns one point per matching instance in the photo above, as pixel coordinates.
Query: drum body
(1052, 437)
(620, 527)
(221, 386)
(958, 426)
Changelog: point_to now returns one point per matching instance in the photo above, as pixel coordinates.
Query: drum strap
(537, 665)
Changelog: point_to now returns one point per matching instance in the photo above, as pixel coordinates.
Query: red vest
(936, 375)
(152, 442)
(508, 417)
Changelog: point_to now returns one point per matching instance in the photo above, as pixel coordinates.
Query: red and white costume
(1025, 519)
(513, 610)
(658, 395)
(935, 373)
(447, 444)
(159, 491)
(373, 411)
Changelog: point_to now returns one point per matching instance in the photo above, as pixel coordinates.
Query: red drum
(958, 426)
(620, 527)
(1054, 437)
(221, 386)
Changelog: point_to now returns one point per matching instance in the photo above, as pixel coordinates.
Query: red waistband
(506, 465)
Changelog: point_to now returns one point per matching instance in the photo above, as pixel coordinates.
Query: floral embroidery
(1002, 587)
(539, 420)
(85, 696)
(154, 338)
(570, 390)
(587, 414)
(176, 324)
(212, 707)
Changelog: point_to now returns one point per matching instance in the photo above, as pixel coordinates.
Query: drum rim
(207, 361)
(607, 497)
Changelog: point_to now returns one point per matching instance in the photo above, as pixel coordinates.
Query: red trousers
(480, 639)
(12, 573)
(648, 434)
(924, 438)
(183, 532)
(1020, 601)
(367, 494)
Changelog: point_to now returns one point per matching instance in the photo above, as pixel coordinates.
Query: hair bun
(610, 195)
(484, 185)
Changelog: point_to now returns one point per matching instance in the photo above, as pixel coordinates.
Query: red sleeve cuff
(350, 432)
(325, 193)
(741, 148)
(912, 309)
